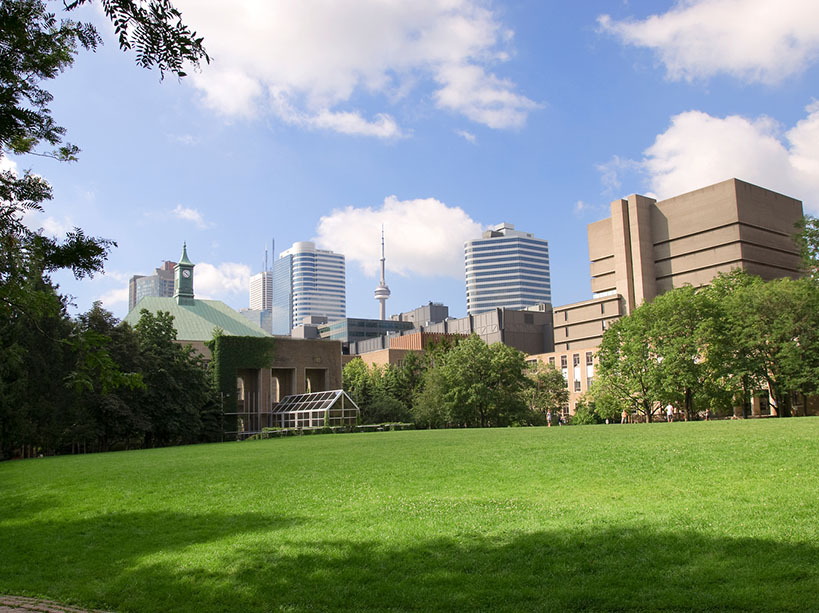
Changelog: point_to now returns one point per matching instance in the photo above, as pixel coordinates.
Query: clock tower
(183, 279)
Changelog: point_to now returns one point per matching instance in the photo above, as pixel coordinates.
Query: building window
(576, 371)
(589, 358)
(564, 361)
(602, 307)
(551, 361)
(565, 316)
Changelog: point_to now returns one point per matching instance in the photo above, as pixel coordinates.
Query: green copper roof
(196, 322)
(184, 259)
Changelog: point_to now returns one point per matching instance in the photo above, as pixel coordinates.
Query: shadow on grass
(141, 562)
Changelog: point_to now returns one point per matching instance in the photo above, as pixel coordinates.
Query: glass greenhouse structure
(315, 410)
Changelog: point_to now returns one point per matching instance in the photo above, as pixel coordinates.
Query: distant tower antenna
(382, 292)
(265, 259)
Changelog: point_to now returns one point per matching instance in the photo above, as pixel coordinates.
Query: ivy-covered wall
(231, 353)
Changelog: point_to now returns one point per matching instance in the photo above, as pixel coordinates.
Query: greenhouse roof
(315, 401)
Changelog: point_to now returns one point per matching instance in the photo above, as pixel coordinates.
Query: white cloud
(192, 215)
(698, 150)
(7, 164)
(57, 227)
(753, 40)
(221, 280)
(303, 60)
(184, 139)
(468, 136)
(347, 122)
(114, 297)
(423, 237)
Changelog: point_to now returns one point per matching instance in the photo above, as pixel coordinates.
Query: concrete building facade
(430, 313)
(307, 281)
(648, 247)
(506, 268)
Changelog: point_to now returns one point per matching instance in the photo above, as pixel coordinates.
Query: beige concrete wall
(581, 325)
(692, 237)
(383, 357)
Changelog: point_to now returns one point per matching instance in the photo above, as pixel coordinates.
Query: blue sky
(322, 119)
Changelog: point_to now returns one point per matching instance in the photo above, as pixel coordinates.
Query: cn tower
(382, 292)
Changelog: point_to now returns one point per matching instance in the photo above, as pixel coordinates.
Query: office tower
(261, 288)
(159, 284)
(261, 291)
(506, 268)
(307, 281)
(382, 292)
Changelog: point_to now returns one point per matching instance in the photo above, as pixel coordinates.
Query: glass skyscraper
(307, 281)
(506, 268)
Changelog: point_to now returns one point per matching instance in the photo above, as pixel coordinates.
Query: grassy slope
(719, 515)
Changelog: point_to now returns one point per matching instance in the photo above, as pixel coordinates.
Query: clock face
(186, 273)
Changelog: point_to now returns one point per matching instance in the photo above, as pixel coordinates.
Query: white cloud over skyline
(423, 236)
(221, 281)
(752, 40)
(310, 62)
(699, 149)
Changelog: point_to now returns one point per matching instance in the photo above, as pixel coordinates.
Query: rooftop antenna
(265, 259)
(382, 292)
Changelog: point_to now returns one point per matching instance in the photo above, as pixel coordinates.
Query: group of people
(561, 418)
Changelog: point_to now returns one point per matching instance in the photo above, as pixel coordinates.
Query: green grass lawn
(693, 516)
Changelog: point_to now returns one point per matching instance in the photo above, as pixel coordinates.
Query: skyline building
(261, 288)
(159, 284)
(261, 291)
(506, 268)
(307, 281)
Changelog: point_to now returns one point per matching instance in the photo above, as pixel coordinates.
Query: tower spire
(382, 292)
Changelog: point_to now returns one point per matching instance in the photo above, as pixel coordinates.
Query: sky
(324, 119)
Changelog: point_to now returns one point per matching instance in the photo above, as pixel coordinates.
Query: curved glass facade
(307, 281)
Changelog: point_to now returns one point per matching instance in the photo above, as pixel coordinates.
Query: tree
(545, 389)
(478, 384)
(106, 381)
(807, 238)
(178, 389)
(774, 327)
(34, 48)
(40, 344)
(628, 368)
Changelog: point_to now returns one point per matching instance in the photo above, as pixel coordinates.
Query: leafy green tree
(774, 327)
(40, 347)
(356, 380)
(628, 366)
(807, 238)
(585, 414)
(429, 407)
(105, 380)
(545, 389)
(482, 383)
(177, 386)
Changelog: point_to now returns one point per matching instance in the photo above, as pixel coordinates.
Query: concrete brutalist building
(648, 247)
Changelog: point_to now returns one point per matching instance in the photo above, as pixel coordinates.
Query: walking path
(20, 604)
